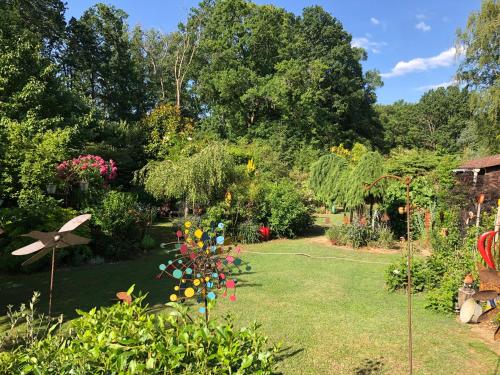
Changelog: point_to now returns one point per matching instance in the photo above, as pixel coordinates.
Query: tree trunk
(177, 95)
(372, 219)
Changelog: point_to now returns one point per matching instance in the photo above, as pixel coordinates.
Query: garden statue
(204, 265)
(48, 241)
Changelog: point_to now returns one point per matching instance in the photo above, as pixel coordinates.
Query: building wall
(490, 184)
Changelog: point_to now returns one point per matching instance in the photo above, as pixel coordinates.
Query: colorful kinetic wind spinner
(205, 265)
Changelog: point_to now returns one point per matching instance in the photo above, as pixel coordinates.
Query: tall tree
(399, 123)
(43, 19)
(155, 49)
(99, 61)
(37, 112)
(186, 43)
(442, 115)
(436, 122)
(480, 41)
(262, 71)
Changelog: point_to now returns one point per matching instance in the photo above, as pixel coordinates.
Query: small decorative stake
(48, 241)
(204, 266)
(480, 201)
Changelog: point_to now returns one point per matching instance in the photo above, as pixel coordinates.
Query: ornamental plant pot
(84, 185)
(51, 188)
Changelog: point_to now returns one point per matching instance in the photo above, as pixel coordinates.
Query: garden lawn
(333, 316)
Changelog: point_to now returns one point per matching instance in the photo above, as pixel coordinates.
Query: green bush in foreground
(127, 339)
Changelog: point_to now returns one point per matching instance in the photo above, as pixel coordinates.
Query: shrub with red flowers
(87, 168)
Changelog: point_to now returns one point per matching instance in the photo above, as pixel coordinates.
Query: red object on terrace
(484, 245)
(265, 233)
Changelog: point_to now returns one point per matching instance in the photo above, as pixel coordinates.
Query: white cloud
(422, 26)
(421, 16)
(375, 21)
(419, 64)
(453, 82)
(368, 44)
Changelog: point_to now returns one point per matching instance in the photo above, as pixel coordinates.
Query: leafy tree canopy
(479, 70)
(262, 70)
(198, 179)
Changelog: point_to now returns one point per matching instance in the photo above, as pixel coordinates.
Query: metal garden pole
(407, 182)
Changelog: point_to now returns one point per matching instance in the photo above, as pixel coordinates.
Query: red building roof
(487, 162)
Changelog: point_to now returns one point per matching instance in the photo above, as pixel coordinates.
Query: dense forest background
(233, 71)
(182, 113)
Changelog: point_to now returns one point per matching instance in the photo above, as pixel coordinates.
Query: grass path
(333, 316)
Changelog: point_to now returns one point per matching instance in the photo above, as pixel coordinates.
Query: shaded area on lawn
(93, 285)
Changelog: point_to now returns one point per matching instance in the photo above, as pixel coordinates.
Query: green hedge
(128, 339)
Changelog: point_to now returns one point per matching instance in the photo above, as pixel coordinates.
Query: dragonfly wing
(37, 256)
(35, 246)
(45, 237)
(70, 239)
(75, 223)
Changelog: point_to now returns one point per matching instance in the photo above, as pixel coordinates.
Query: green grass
(333, 316)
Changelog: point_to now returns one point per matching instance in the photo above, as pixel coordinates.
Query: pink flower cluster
(87, 165)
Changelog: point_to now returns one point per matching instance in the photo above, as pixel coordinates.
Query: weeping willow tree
(197, 180)
(334, 180)
(353, 184)
(325, 178)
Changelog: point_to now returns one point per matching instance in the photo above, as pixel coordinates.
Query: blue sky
(410, 42)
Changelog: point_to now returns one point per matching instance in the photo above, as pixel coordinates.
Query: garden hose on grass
(318, 257)
(299, 254)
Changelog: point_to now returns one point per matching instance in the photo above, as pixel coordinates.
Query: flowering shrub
(87, 167)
